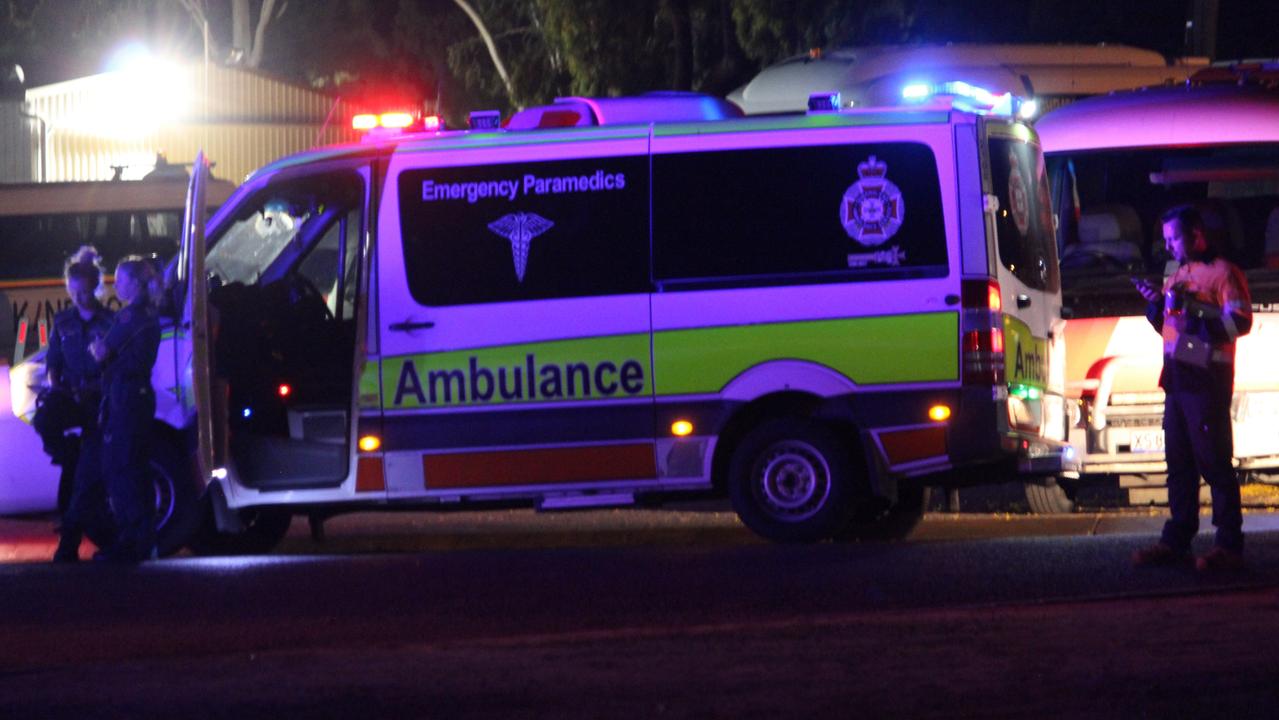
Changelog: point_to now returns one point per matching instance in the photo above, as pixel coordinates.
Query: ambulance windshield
(253, 242)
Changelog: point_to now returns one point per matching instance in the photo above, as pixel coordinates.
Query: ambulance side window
(798, 214)
(502, 233)
(320, 266)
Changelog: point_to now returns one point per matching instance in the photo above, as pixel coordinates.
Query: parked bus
(41, 224)
(1116, 163)
(616, 300)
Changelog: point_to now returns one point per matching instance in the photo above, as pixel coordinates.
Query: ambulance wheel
(1050, 496)
(177, 510)
(264, 528)
(792, 480)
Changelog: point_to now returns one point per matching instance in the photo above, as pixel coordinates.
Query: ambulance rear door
(1020, 212)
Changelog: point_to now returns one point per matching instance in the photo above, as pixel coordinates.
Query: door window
(1023, 220)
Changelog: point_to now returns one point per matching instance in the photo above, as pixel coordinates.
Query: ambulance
(1116, 163)
(608, 301)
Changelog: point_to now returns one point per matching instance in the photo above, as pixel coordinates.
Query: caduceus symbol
(520, 229)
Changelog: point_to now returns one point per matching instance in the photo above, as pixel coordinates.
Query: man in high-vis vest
(1203, 308)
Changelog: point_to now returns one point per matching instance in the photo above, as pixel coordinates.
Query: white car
(28, 480)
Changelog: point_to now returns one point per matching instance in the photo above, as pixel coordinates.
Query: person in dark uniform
(1204, 307)
(127, 354)
(75, 375)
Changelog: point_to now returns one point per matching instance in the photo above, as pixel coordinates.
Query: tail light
(981, 325)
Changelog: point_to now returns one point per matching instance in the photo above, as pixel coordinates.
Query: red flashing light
(392, 121)
(284, 390)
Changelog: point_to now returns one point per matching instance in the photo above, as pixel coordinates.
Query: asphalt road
(624, 614)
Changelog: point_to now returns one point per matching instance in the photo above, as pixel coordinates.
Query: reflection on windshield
(252, 243)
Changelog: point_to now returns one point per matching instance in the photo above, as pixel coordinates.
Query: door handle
(411, 325)
(1023, 301)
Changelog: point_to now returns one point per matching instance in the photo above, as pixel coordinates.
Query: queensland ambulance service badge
(872, 210)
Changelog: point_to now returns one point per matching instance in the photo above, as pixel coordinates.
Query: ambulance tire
(177, 508)
(876, 520)
(792, 480)
(264, 528)
(1049, 496)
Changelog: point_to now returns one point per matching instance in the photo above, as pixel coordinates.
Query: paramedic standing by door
(127, 354)
(1205, 306)
(73, 370)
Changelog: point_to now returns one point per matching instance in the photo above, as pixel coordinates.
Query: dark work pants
(87, 508)
(66, 480)
(1198, 441)
(126, 444)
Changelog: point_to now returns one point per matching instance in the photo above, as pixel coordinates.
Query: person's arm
(54, 359)
(131, 346)
(1232, 318)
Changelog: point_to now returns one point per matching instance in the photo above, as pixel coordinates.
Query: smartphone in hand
(1145, 287)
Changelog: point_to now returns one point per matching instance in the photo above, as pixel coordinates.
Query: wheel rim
(792, 480)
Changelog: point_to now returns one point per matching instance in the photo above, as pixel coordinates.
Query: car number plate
(1148, 441)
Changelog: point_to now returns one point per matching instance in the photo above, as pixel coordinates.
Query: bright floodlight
(137, 95)
(1028, 109)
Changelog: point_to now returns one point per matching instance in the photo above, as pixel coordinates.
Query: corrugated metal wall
(251, 120)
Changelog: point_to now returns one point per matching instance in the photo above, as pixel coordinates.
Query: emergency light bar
(392, 122)
(972, 97)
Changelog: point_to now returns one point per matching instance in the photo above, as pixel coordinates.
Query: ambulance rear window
(797, 214)
(1024, 221)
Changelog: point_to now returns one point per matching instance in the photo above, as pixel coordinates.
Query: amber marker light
(370, 443)
(680, 428)
(938, 413)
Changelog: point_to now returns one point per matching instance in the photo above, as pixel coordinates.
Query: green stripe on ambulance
(882, 350)
(869, 351)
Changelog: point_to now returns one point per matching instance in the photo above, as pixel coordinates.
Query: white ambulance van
(1116, 163)
(618, 300)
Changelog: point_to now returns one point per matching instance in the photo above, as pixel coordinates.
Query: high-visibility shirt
(1220, 283)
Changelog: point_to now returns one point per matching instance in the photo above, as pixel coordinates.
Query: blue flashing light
(917, 91)
(824, 102)
(485, 120)
(248, 412)
(966, 96)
